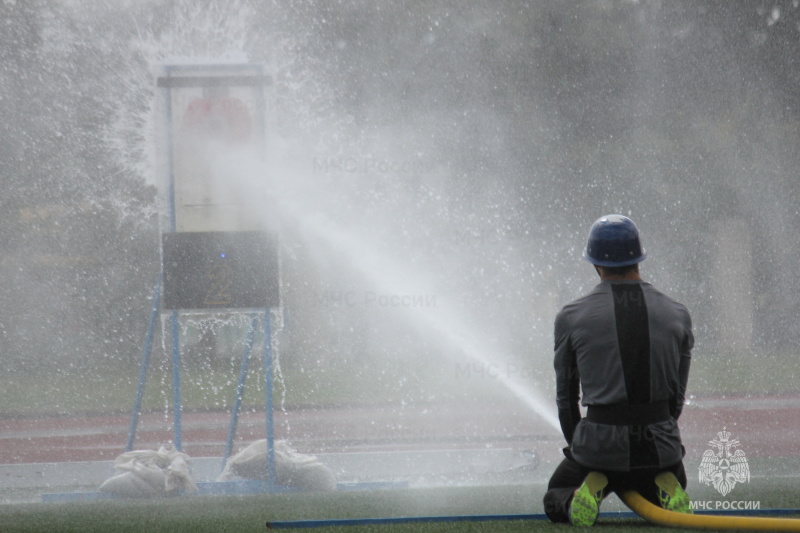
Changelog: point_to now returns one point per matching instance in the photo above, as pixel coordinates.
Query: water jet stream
(294, 207)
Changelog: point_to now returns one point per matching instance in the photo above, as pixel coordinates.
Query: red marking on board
(222, 119)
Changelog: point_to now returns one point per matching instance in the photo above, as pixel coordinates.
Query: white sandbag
(292, 469)
(130, 485)
(150, 473)
(310, 476)
(159, 459)
(249, 463)
(179, 475)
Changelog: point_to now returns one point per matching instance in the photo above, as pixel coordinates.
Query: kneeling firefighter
(627, 346)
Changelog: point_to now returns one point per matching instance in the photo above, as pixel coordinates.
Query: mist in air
(432, 169)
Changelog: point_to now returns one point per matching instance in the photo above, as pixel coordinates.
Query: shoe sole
(679, 501)
(584, 508)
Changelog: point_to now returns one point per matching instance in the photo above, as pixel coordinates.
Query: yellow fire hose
(657, 515)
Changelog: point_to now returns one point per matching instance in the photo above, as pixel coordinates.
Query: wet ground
(765, 426)
(517, 444)
(310, 430)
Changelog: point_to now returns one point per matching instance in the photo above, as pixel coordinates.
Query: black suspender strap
(629, 414)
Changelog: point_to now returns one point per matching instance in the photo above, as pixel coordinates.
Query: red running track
(765, 427)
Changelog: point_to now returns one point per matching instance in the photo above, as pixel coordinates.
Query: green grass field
(251, 513)
(110, 387)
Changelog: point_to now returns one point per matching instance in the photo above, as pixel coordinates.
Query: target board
(215, 124)
(215, 254)
(220, 270)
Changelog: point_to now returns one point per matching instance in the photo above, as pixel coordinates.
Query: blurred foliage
(542, 115)
(681, 114)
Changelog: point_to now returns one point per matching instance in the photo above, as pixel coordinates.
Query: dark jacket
(628, 347)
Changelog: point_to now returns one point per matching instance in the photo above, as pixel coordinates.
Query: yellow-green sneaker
(671, 494)
(585, 504)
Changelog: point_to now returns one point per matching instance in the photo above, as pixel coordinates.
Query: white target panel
(215, 122)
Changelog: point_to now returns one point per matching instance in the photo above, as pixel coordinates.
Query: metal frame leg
(271, 477)
(146, 352)
(176, 381)
(237, 400)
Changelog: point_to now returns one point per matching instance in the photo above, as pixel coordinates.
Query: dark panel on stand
(220, 270)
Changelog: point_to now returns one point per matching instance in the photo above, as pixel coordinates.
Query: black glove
(568, 453)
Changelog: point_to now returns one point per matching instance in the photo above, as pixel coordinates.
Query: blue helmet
(614, 242)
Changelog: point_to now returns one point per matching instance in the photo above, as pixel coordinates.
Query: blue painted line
(751, 512)
(306, 524)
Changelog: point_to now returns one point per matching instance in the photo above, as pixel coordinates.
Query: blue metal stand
(240, 385)
(271, 477)
(178, 77)
(237, 400)
(146, 352)
(177, 407)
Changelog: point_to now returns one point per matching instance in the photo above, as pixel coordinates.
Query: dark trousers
(570, 475)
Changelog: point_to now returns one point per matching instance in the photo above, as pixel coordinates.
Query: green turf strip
(251, 513)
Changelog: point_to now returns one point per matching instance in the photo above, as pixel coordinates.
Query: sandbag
(145, 473)
(292, 469)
